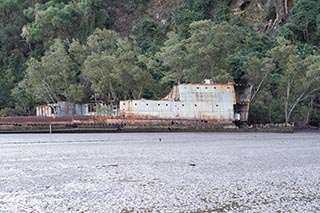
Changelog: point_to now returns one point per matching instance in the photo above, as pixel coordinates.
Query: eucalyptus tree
(112, 67)
(300, 82)
(205, 54)
(257, 73)
(49, 79)
(299, 78)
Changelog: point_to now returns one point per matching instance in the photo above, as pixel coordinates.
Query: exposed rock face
(250, 10)
(264, 15)
(159, 10)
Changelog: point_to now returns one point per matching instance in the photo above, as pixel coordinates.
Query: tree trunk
(287, 115)
(114, 96)
(286, 7)
(301, 97)
(310, 107)
(281, 12)
(259, 87)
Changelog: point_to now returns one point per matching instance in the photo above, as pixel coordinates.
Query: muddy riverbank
(167, 172)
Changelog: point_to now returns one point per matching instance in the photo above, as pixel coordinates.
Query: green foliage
(112, 69)
(25, 104)
(101, 72)
(6, 112)
(104, 41)
(130, 5)
(304, 22)
(205, 54)
(149, 36)
(61, 50)
(77, 93)
(184, 16)
(190, 11)
(5, 88)
(64, 20)
(12, 56)
(48, 80)
(221, 10)
(141, 8)
(290, 78)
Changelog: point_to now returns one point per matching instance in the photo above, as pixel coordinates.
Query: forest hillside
(107, 50)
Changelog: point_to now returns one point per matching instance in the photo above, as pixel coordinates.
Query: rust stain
(185, 104)
(186, 101)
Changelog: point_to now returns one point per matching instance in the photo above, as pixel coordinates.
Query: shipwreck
(206, 102)
(206, 106)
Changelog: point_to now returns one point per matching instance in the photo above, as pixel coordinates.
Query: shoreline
(105, 124)
(58, 129)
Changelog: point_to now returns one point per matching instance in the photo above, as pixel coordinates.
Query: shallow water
(138, 172)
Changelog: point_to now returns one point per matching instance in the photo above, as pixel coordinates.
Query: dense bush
(64, 50)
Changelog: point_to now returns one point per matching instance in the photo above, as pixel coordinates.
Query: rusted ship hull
(201, 107)
(100, 124)
(30, 124)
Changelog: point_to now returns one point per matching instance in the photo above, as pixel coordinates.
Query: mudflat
(160, 172)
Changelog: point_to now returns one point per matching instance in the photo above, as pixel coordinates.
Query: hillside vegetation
(108, 50)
